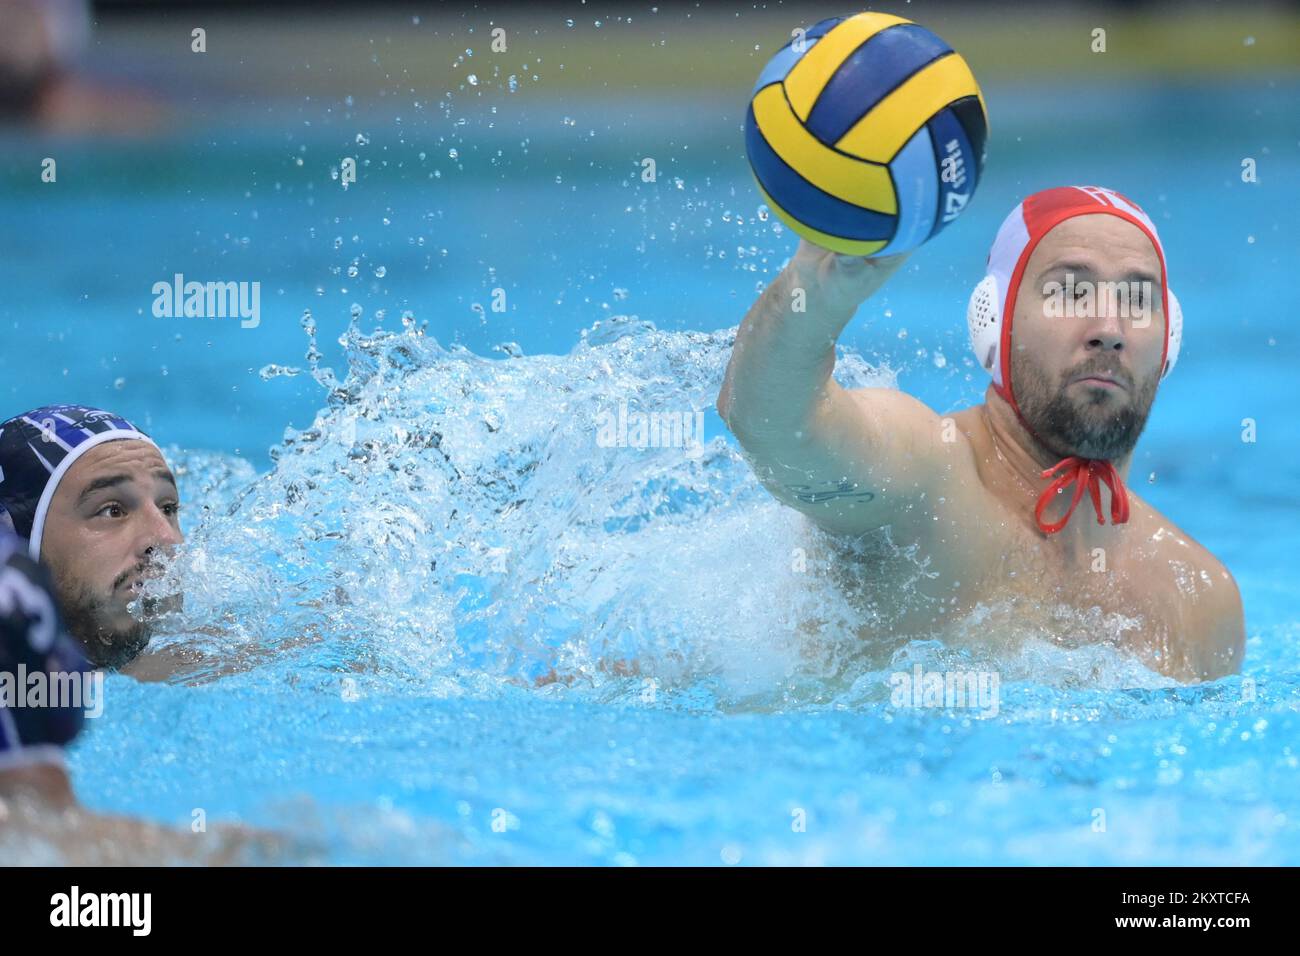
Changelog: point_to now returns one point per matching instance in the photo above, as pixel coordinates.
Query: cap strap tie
(1085, 474)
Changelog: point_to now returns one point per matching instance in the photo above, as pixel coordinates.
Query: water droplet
(119, 383)
(380, 272)
(453, 153)
(363, 139)
(473, 79)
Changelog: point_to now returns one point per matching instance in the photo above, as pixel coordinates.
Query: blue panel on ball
(869, 74)
(971, 115)
(822, 27)
(916, 180)
(780, 65)
(804, 201)
(958, 166)
(787, 57)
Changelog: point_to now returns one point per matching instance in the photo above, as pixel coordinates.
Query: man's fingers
(855, 265)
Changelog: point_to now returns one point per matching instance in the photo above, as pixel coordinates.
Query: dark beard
(112, 650)
(1078, 425)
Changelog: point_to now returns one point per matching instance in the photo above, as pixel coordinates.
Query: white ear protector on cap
(984, 320)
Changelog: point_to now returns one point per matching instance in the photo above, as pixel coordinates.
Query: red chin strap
(1086, 474)
(1089, 473)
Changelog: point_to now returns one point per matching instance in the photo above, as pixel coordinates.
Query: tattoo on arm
(816, 494)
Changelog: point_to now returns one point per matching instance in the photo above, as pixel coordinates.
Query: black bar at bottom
(338, 905)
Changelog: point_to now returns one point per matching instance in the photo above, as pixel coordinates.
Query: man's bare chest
(1006, 585)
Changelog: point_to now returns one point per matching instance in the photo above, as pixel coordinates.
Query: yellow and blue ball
(866, 134)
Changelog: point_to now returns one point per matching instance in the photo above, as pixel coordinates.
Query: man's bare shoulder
(1208, 599)
(1160, 536)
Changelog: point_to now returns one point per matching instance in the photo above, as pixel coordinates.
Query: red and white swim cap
(993, 302)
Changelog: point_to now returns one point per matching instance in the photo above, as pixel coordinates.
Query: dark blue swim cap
(36, 451)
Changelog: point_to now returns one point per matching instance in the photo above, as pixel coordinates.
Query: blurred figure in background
(41, 41)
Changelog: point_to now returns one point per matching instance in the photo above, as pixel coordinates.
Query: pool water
(397, 526)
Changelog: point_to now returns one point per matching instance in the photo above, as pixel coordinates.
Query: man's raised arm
(850, 460)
